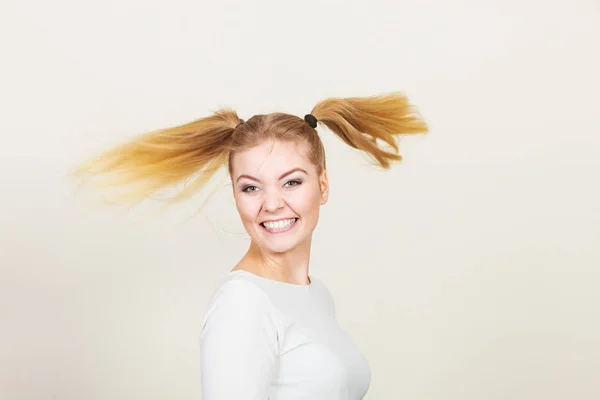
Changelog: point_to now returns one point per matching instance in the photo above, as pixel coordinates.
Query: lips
(281, 225)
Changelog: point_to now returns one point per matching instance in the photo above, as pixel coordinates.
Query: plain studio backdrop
(468, 271)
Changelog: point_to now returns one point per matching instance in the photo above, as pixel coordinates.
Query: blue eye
(249, 188)
(294, 182)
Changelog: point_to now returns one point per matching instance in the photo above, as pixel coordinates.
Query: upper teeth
(284, 223)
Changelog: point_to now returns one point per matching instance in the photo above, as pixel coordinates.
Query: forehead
(271, 158)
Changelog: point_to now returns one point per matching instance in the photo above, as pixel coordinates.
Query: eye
(293, 182)
(250, 188)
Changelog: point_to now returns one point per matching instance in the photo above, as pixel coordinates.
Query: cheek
(308, 204)
(247, 207)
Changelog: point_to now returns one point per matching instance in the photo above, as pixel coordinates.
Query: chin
(280, 245)
(277, 246)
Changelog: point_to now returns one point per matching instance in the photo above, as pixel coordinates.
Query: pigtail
(361, 121)
(190, 153)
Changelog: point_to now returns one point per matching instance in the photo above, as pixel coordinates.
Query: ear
(324, 185)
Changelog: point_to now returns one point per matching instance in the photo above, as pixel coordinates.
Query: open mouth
(282, 225)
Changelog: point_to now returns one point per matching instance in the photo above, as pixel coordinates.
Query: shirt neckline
(280, 283)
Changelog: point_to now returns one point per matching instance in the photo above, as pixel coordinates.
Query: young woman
(270, 329)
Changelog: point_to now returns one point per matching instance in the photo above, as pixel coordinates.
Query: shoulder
(235, 299)
(241, 292)
(325, 295)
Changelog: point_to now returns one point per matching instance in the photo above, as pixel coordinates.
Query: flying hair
(191, 153)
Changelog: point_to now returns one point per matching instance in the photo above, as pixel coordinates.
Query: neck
(289, 267)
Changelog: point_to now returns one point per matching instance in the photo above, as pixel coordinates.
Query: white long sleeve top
(263, 339)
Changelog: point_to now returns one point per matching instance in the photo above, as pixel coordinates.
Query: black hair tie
(241, 122)
(311, 119)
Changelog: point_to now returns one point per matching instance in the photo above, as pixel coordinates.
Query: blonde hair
(193, 152)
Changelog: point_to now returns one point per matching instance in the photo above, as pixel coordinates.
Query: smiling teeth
(278, 225)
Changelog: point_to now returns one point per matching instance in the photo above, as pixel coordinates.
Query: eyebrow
(280, 177)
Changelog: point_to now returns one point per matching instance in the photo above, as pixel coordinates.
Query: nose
(273, 201)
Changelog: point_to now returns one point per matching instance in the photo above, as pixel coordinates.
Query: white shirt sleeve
(238, 344)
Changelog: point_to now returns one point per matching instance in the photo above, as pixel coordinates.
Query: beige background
(469, 271)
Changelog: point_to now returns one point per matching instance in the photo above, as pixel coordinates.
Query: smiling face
(278, 192)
